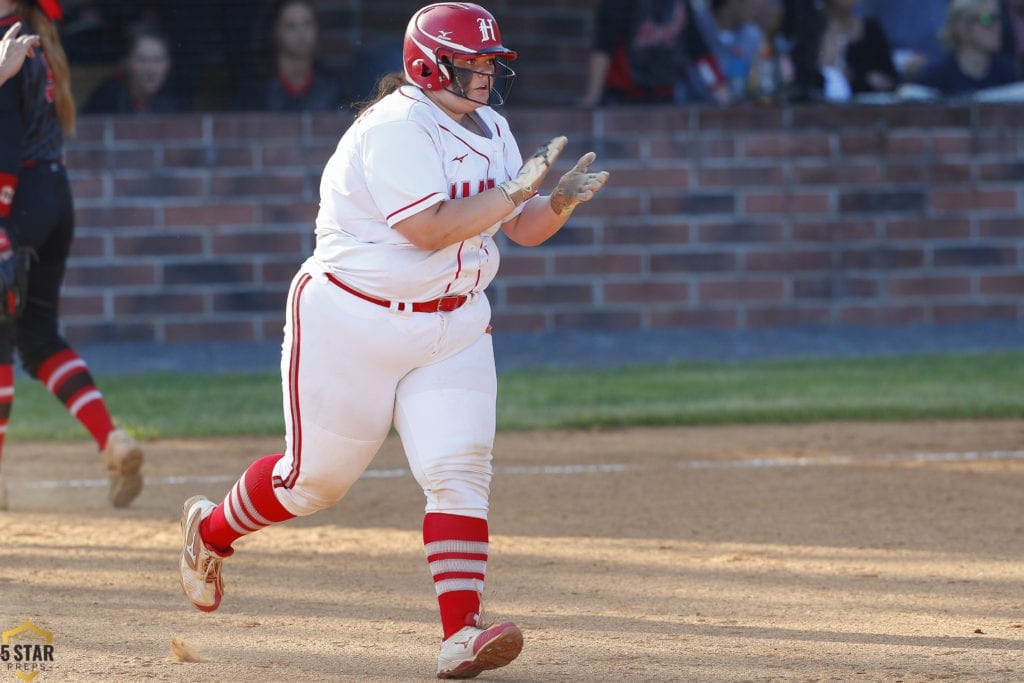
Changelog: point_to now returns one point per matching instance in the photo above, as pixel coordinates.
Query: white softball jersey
(400, 157)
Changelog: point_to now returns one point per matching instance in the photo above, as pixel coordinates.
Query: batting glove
(523, 186)
(578, 185)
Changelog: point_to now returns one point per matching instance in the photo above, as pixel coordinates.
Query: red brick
(856, 143)
(158, 245)
(787, 261)
(742, 176)
(838, 230)
(785, 316)
(796, 145)
(191, 186)
(106, 217)
(284, 155)
(530, 321)
(701, 318)
(205, 157)
(82, 306)
(901, 144)
(953, 143)
(257, 127)
(210, 330)
(647, 234)
(257, 185)
(279, 271)
(271, 327)
(87, 187)
(692, 262)
(926, 228)
(694, 203)
(972, 199)
(645, 292)
(111, 275)
(740, 233)
(86, 246)
(718, 291)
(165, 128)
(776, 203)
(251, 242)
(210, 215)
(882, 258)
(549, 294)
(927, 287)
(602, 319)
(838, 174)
(127, 305)
(597, 264)
(835, 287)
(278, 211)
(1002, 285)
(706, 146)
(1001, 228)
(648, 178)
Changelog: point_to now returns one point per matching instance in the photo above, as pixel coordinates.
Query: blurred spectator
(912, 27)
(140, 84)
(974, 59)
(288, 76)
(735, 41)
(843, 54)
(637, 56)
(772, 75)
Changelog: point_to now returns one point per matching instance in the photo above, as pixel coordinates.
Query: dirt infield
(876, 552)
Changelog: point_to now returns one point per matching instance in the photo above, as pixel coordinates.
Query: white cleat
(122, 457)
(199, 566)
(473, 650)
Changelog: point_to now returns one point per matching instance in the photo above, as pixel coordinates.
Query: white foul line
(765, 463)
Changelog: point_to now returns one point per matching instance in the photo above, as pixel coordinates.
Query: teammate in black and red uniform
(36, 110)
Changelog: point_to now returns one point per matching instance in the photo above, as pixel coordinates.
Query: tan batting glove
(578, 185)
(525, 185)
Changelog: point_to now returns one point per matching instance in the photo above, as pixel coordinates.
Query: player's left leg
(445, 415)
(45, 221)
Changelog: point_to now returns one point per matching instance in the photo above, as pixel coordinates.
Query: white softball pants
(351, 369)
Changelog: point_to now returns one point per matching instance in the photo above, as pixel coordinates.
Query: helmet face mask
(457, 79)
(438, 34)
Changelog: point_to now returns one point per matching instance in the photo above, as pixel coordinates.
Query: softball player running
(387, 324)
(37, 213)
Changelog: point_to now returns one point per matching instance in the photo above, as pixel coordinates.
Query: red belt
(445, 303)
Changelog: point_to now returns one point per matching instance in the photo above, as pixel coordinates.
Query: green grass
(890, 388)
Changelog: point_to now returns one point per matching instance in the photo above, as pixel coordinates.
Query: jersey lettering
(482, 185)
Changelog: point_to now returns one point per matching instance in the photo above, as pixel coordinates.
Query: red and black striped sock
(456, 548)
(250, 506)
(6, 398)
(67, 377)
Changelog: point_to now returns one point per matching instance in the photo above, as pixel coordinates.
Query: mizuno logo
(462, 158)
(444, 35)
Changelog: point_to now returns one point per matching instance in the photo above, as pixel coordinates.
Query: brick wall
(190, 227)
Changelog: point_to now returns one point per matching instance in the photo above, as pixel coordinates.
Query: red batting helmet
(440, 32)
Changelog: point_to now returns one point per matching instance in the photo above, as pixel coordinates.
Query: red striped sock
(6, 397)
(67, 377)
(456, 548)
(250, 506)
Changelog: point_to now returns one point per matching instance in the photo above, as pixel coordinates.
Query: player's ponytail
(56, 59)
(386, 84)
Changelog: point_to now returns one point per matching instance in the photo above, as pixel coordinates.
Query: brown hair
(57, 60)
(386, 84)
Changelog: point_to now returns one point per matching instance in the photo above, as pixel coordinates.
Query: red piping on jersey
(293, 384)
(409, 206)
